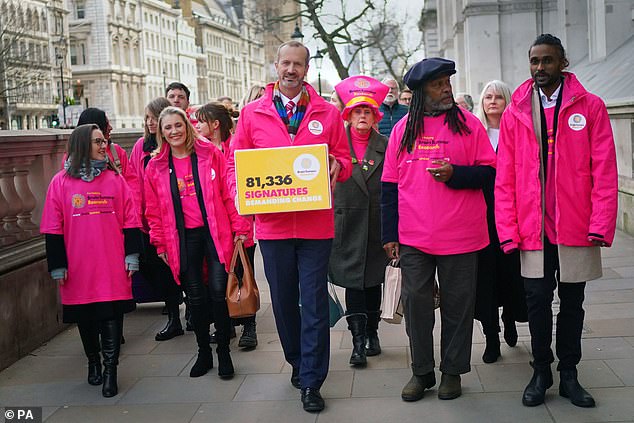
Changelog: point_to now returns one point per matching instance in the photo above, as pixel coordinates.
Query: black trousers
(363, 300)
(158, 273)
(457, 283)
(539, 298)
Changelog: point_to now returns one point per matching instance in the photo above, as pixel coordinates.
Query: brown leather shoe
(449, 387)
(415, 388)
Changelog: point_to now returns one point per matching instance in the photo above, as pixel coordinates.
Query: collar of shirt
(285, 100)
(552, 101)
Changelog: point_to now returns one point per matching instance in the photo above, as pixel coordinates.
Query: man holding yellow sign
(292, 202)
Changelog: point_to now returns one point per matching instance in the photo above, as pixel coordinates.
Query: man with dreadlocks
(434, 219)
(555, 201)
(296, 246)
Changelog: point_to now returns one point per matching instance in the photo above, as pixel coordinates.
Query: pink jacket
(585, 172)
(136, 167)
(260, 126)
(222, 217)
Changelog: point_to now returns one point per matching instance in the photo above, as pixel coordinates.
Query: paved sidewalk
(154, 383)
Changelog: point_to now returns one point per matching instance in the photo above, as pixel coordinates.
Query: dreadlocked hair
(454, 119)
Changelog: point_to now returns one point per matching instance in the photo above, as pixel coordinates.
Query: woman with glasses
(92, 247)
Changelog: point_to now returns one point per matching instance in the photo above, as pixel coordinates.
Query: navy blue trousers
(297, 267)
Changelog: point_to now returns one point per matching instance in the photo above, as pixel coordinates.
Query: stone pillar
(22, 167)
(10, 220)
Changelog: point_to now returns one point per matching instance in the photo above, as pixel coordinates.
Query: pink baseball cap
(361, 90)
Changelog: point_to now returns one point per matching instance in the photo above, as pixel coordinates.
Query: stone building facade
(124, 52)
(33, 55)
(490, 39)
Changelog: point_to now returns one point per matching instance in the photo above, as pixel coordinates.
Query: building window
(80, 9)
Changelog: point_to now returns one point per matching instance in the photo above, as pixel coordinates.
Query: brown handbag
(243, 296)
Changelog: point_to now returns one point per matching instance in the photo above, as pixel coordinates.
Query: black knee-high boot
(223, 328)
(200, 322)
(89, 333)
(173, 327)
(356, 325)
(110, 347)
(372, 345)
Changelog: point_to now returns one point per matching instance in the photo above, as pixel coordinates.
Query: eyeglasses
(100, 141)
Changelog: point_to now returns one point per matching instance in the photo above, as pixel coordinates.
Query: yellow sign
(273, 180)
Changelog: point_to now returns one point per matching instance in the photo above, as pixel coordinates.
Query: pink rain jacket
(135, 167)
(260, 126)
(586, 178)
(222, 217)
(91, 216)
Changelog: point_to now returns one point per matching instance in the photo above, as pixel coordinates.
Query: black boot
(89, 333)
(510, 332)
(173, 327)
(569, 387)
(492, 349)
(535, 391)
(372, 345)
(189, 326)
(356, 325)
(200, 321)
(249, 337)
(110, 347)
(223, 328)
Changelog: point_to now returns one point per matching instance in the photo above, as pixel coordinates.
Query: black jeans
(201, 247)
(363, 300)
(539, 298)
(207, 301)
(157, 273)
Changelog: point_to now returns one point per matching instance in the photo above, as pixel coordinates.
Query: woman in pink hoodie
(193, 220)
(92, 248)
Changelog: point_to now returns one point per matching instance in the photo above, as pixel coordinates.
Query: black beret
(428, 69)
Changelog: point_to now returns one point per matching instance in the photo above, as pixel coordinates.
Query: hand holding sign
(335, 168)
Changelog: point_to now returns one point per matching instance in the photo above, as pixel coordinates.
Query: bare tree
(20, 64)
(392, 46)
(372, 27)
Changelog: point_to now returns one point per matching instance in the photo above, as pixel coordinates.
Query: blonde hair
(190, 132)
(254, 93)
(154, 107)
(498, 87)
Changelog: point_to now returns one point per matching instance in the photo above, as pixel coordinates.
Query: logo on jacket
(213, 173)
(315, 127)
(577, 122)
(306, 167)
(78, 201)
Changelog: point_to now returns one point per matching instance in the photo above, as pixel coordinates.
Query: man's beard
(436, 106)
(390, 99)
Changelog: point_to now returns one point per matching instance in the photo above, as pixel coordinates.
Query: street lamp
(297, 33)
(318, 62)
(61, 54)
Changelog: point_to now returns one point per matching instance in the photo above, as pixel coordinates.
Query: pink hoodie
(586, 180)
(260, 126)
(222, 217)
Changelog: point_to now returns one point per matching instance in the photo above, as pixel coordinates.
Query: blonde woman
(192, 219)
(499, 280)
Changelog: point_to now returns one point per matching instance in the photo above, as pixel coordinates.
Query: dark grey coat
(357, 260)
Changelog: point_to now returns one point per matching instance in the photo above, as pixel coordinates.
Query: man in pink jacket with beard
(555, 201)
(296, 246)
